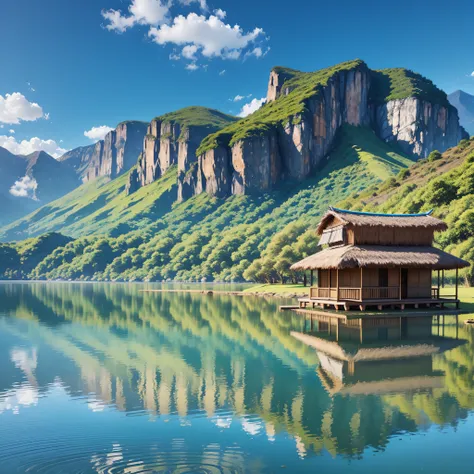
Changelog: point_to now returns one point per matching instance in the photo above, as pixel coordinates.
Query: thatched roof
(367, 219)
(379, 256)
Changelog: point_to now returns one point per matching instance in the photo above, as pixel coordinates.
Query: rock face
(418, 127)
(114, 155)
(168, 143)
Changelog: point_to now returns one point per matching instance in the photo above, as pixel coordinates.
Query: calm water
(105, 378)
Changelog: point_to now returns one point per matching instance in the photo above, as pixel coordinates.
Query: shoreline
(265, 294)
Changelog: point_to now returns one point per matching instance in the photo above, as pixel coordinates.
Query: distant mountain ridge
(28, 182)
(464, 103)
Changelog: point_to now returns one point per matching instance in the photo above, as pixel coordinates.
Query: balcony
(373, 293)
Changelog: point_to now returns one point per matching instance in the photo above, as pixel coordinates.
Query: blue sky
(92, 63)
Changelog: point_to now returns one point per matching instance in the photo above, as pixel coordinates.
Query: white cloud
(238, 97)
(189, 51)
(472, 74)
(15, 108)
(251, 107)
(257, 52)
(25, 187)
(202, 3)
(192, 66)
(174, 56)
(25, 147)
(142, 12)
(220, 13)
(11, 131)
(97, 133)
(212, 36)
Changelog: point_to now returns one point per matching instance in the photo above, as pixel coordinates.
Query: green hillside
(145, 236)
(98, 206)
(443, 182)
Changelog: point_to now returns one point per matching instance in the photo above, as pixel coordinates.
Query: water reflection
(226, 382)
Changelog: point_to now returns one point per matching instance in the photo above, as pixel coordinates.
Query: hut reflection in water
(378, 355)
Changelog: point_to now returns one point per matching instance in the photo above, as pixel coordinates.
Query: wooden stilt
(438, 284)
(457, 273)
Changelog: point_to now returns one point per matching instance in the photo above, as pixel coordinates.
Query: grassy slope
(206, 236)
(400, 83)
(97, 207)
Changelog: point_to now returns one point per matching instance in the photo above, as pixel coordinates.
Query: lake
(105, 378)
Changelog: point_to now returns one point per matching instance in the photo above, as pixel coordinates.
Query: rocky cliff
(112, 156)
(292, 134)
(172, 139)
(410, 111)
(269, 148)
(418, 127)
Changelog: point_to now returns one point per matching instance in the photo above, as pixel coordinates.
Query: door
(404, 282)
(383, 283)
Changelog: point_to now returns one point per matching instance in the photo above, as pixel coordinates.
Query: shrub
(404, 173)
(434, 155)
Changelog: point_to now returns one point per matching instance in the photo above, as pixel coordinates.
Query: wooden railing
(354, 294)
(380, 292)
(371, 293)
(349, 294)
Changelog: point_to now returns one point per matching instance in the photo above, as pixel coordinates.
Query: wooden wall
(389, 236)
(419, 283)
(349, 278)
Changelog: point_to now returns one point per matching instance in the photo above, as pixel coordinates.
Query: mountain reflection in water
(105, 378)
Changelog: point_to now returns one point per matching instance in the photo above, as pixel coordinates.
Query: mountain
(241, 202)
(464, 103)
(28, 182)
(112, 156)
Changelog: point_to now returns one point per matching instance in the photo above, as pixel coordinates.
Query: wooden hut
(378, 260)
